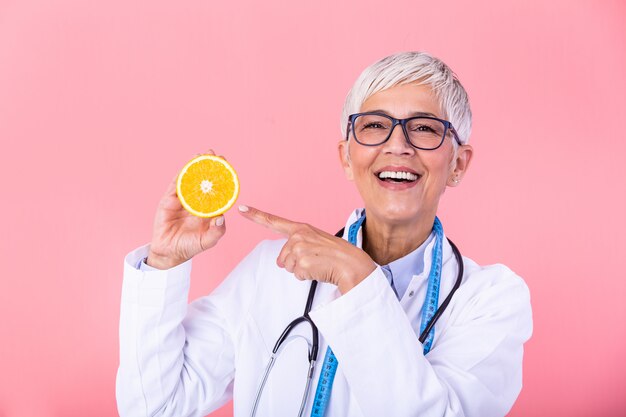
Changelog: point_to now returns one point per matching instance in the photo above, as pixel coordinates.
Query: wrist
(354, 278)
(161, 262)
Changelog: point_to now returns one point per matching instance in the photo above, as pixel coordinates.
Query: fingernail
(220, 221)
(243, 208)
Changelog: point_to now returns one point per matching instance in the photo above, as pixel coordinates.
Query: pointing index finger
(275, 223)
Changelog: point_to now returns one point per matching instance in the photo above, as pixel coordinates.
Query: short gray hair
(408, 67)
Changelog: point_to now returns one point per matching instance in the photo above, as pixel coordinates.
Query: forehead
(402, 101)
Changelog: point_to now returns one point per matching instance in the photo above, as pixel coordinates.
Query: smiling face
(400, 184)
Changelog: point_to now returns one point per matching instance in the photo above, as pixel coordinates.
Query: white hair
(408, 67)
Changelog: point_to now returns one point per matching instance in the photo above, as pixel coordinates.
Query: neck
(385, 242)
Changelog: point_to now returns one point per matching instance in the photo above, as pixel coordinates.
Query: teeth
(398, 175)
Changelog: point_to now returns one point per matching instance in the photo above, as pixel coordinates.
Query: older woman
(404, 324)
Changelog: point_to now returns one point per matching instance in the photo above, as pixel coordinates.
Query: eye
(422, 128)
(425, 127)
(372, 122)
(373, 125)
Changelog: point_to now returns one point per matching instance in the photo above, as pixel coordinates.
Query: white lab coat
(180, 359)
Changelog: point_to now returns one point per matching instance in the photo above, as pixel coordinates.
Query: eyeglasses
(422, 132)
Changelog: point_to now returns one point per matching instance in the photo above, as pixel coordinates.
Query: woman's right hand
(178, 235)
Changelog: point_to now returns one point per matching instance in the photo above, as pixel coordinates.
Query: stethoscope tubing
(314, 349)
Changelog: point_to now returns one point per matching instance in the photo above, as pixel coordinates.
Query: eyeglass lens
(374, 129)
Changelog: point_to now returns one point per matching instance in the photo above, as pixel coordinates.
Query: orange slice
(207, 186)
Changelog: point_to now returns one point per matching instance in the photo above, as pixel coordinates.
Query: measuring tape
(325, 384)
(329, 368)
(354, 229)
(432, 292)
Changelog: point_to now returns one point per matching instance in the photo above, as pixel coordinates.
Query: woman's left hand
(313, 254)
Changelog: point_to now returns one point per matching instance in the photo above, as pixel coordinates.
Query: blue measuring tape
(329, 368)
(325, 384)
(432, 292)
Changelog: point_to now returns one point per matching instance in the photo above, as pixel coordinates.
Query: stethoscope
(314, 346)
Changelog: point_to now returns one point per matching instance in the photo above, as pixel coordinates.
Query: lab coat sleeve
(177, 359)
(474, 368)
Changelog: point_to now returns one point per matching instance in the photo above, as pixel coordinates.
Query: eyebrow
(414, 114)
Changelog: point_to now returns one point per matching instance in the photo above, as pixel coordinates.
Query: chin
(396, 215)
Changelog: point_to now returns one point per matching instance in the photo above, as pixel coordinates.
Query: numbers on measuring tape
(432, 292)
(325, 384)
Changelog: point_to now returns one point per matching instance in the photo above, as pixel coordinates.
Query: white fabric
(187, 360)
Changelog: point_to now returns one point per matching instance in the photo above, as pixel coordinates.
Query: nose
(398, 142)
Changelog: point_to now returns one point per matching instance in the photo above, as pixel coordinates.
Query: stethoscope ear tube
(307, 309)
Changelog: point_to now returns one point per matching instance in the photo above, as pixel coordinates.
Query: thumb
(216, 229)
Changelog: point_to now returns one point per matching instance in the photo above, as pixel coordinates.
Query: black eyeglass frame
(402, 122)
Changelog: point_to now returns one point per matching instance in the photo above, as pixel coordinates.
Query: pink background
(102, 102)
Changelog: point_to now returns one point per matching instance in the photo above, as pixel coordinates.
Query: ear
(460, 164)
(344, 158)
